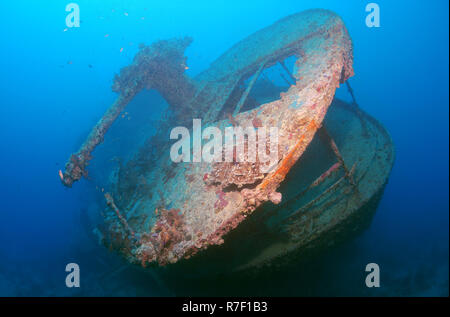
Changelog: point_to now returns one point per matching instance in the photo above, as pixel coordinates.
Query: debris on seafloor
(176, 210)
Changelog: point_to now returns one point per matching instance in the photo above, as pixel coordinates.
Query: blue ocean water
(56, 84)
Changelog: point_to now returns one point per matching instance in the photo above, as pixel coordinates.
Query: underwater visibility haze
(114, 116)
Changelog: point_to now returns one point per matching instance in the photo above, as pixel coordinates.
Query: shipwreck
(333, 159)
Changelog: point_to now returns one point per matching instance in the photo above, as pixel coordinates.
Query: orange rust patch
(289, 160)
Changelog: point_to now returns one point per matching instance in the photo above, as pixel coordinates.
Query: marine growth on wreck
(160, 212)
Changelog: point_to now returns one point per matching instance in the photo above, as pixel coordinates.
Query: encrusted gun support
(330, 141)
(160, 66)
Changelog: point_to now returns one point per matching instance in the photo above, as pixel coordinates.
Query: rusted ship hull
(230, 215)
